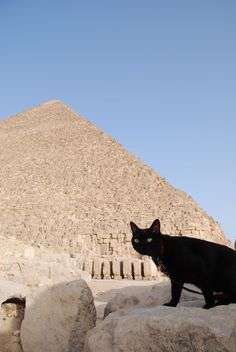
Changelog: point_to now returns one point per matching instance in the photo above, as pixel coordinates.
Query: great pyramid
(68, 186)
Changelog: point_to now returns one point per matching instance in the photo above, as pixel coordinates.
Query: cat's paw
(208, 306)
(170, 304)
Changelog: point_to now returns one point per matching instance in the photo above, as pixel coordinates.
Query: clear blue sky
(158, 76)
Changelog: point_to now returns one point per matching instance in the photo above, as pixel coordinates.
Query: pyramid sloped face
(67, 185)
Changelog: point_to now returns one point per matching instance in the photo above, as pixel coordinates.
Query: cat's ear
(156, 226)
(134, 228)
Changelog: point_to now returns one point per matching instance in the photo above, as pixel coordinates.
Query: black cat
(209, 266)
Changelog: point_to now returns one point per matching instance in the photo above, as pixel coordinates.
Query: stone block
(147, 269)
(137, 269)
(88, 265)
(104, 249)
(106, 269)
(57, 318)
(127, 269)
(97, 268)
(116, 269)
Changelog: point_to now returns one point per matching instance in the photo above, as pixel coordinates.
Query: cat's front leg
(176, 289)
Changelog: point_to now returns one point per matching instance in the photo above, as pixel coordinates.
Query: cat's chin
(144, 253)
(143, 250)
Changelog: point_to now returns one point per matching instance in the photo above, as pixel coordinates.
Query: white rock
(35, 273)
(11, 316)
(120, 302)
(10, 289)
(165, 329)
(29, 253)
(157, 294)
(58, 317)
(35, 267)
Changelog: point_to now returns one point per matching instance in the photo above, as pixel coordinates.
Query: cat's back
(185, 245)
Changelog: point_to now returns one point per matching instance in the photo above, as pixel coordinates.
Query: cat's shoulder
(189, 242)
(196, 243)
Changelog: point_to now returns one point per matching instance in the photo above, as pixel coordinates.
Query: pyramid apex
(53, 101)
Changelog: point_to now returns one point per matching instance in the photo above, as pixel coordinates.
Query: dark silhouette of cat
(209, 266)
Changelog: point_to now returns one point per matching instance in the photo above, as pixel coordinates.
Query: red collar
(162, 250)
(159, 263)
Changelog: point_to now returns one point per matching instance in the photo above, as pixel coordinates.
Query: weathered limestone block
(106, 269)
(11, 315)
(147, 269)
(155, 271)
(29, 253)
(120, 302)
(116, 269)
(137, 269)
(97, 268)
(33, 267)
(137, 315)
(104, 248)
(166, 329)
(88, 265)
(152, 295)
(127, 269)
(35, 273)
(10, 289)
(58, 317)
(79, 262)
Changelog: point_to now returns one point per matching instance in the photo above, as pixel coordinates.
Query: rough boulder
(136, 322)
(57, 318)
(165, 329)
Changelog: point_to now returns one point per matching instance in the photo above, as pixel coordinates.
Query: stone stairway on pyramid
(68, 186)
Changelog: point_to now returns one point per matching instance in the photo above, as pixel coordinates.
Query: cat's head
(147, 241)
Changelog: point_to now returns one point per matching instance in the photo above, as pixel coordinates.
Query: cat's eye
(149, 239)
(136, 240)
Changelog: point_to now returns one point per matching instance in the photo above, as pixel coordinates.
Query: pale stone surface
(97, 268)
(120, 268)
(136, 321)
(106, 269)
(165, 329)
(120, 302)
(34, 274)
(127, 269)
(137, 269)
(24, 268)
(116, 268)
(147, 268)
(148, 296)
(33, 267)
(10, 289)
(58, 317)
(88, 265)
(11, 315)
(105, 290)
